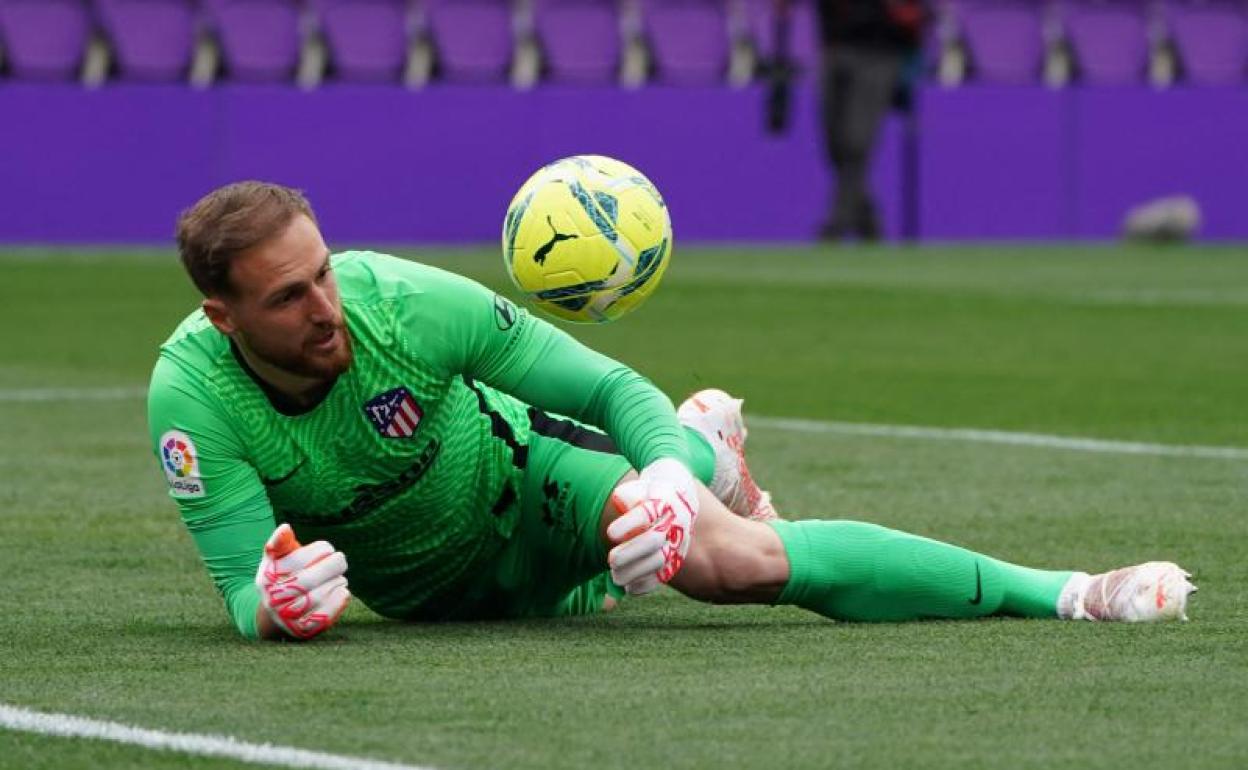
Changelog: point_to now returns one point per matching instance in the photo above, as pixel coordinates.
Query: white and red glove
(302, 588)
(655, 527)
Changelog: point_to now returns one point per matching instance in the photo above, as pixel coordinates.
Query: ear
(219, 314)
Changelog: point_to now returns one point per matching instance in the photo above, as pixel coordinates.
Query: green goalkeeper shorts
(554, 564)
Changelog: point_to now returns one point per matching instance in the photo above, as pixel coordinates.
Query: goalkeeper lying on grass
(407, 422)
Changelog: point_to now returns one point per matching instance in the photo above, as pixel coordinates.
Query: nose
(321, 307)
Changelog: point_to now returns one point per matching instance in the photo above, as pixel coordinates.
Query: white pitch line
(69, 726)
(877, 430)
(1041, 440)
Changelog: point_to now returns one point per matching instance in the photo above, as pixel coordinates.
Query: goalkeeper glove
(653, 532)
(302, 588)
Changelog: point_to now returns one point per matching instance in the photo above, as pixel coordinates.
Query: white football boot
(717, 416)
(1155, 590)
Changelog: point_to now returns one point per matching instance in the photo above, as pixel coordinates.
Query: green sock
(850, 570)
(702, 455)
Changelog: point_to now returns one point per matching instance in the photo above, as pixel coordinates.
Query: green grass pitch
(108, 614)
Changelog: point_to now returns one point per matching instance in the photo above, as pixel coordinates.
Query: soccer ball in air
(587, 238)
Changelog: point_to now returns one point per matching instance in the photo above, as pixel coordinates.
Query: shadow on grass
(699, 621)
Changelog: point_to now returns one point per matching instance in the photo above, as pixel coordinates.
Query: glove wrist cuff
(668, 469)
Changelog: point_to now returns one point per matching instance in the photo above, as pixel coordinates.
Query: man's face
(285, 308)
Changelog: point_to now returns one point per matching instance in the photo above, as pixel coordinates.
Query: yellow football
(587, 238)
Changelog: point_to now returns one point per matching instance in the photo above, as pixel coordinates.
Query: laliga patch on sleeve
(180, 459)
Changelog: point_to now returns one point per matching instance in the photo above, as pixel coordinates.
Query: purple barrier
(398, 166)
(991, 163)
(1129, 147)
(411, 167)
(1001, 162)
(385, 165)
(433, 170)
(113, 165)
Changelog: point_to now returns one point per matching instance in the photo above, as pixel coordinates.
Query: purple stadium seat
(154, 39)
(474, 39)
(1110, 40)
(1212, 38)
(260, 39)
(803, 31)
(580, 39)
(44, 39)
(689, 39)
(367, 38)
(1005, 39)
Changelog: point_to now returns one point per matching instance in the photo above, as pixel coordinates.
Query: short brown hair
(227, 222)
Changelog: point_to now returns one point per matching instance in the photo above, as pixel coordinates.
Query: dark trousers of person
(857, 88)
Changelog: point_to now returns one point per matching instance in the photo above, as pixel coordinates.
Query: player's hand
(655, 527)
(302, 588)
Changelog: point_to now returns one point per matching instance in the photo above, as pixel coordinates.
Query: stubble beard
(322, 368)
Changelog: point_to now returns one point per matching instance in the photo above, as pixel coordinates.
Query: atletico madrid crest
(395, 414)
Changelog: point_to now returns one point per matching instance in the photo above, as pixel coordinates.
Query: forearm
(638, 416)
(573, 380)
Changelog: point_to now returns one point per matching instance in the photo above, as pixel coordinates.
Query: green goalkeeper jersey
(411, 463)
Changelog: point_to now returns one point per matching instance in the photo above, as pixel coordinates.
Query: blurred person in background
(869, 48)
